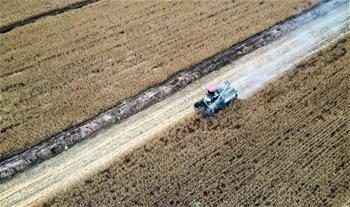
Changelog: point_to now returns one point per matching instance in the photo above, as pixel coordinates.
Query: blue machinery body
(211, 105)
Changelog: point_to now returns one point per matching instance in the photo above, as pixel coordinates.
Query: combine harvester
(247, 74)
(216, 99)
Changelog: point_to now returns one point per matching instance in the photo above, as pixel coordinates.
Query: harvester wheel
(208, 112)
(199, 104)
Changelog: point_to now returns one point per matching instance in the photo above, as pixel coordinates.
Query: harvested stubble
(62, 70)
(286, 146)
(19, 10)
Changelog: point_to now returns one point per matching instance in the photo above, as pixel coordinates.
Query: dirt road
(95, 153)
(63, 70)
(287, 145)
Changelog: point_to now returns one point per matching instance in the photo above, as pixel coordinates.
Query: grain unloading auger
(216, 99)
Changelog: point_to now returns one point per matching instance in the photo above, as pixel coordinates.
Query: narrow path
(248, 75)
(52, 12)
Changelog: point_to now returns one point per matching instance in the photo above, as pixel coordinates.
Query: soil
(18, 10)
(286, 146)
(68, 68)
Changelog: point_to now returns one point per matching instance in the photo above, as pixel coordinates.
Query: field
(65, 69)
(286, 146)
(19, 10)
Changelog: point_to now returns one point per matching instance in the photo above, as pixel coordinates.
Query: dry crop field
(65, 69)
(288, 145)
(17, 10)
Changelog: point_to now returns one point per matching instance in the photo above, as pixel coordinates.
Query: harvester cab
(212, 95)
(216, 99)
